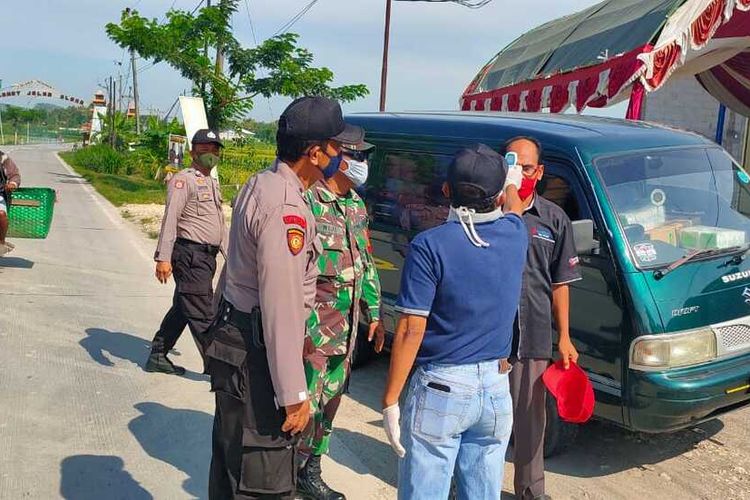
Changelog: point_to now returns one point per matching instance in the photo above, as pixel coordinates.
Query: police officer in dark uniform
(193, 232)
(268, 290)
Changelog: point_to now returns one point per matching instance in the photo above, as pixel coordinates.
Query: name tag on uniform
(205, 196)
(324, 228)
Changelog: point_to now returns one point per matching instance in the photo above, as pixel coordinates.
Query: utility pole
(205, 54)
(386, 39)
(119, 94)
(2, 136)
(112, 93)
(219, 51)
(135, 94)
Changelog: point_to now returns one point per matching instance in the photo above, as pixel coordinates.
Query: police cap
(318, 119)
(207, 136)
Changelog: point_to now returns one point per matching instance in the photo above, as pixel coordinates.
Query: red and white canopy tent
(617, 50)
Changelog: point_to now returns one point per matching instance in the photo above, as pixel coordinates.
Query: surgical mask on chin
(208, 160)
(357, 172)
(333, 167)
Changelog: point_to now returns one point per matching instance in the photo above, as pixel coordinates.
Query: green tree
(277, 66)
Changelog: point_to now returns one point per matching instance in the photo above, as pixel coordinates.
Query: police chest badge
(295, 238)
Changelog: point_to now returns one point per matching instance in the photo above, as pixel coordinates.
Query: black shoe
(311, 486)
(158, 362)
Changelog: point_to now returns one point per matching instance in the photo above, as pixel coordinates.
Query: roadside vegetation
(136, 177)
(130, 168)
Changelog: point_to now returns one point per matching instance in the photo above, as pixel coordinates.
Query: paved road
(80, 419)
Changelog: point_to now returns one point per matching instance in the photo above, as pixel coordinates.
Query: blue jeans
(456, 418)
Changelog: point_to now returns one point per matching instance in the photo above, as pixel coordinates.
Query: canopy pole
(635, 108)
(384, 70)
(720, 124)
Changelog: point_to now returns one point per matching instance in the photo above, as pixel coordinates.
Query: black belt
(246, 322)
(205, 247)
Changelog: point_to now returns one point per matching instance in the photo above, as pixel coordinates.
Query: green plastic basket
(30, 212)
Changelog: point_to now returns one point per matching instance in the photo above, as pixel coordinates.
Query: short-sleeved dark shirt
(552, 260)
(468, 294)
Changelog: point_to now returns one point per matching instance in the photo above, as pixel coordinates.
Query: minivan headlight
(662, 352)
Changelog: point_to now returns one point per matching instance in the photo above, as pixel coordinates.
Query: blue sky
(435, 48)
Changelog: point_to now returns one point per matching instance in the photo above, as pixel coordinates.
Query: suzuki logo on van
(728, 278)
(746, 294)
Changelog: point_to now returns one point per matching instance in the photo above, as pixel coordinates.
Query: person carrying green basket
(10, 179)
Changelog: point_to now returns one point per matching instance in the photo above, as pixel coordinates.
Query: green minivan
(661, 318)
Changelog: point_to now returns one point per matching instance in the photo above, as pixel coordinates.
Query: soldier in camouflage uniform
(348, 278)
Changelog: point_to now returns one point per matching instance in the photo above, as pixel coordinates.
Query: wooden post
(384, 71)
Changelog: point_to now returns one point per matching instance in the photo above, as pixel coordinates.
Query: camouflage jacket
(348, 276)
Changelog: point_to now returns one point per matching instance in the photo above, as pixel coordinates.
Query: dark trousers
(193, 269)
(251, 457)
(529, 419)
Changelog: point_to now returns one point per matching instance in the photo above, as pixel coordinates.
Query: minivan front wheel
(558, 435)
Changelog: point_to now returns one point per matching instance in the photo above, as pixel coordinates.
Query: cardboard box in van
(669, 232)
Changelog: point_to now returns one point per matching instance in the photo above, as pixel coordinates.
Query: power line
(250, 18)
(296, 18)
(196, 7)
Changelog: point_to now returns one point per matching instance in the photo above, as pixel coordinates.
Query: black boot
(158, 362)
(311, 486)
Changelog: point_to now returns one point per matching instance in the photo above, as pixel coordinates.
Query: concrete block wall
(684, 103)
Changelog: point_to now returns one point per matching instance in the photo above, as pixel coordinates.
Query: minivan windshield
(675, 202)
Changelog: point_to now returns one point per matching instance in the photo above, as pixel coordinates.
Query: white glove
(391, 417)
(514, 177)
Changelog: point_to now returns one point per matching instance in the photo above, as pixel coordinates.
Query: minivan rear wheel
(558, 435)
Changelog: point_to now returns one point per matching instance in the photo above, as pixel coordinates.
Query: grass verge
(120, 189)
(130, 189)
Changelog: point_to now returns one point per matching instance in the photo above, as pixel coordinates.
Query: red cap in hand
(573, 391)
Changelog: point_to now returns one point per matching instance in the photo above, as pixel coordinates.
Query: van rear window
(406, 191)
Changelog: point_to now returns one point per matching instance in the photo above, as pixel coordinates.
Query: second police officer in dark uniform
(268, 287)
(193, 232)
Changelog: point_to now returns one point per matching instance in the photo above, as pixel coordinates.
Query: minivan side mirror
(583, 235)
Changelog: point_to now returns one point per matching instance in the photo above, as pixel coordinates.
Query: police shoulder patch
(179, 184)
(295, 238)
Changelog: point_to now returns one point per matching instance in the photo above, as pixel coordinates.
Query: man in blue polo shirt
(459, 295)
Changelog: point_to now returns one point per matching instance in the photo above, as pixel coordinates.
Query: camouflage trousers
(326, 381)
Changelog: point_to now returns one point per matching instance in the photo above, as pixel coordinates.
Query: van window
(674, 201)
(406, 192)
(557, 190)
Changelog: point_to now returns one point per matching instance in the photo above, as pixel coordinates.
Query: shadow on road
(16, 263)
(93, 477)
(124, 346)
(602, 449)
(377, 457)
(366, 383)
(181, 438)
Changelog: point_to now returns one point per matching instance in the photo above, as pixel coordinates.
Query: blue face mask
(333, 166)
